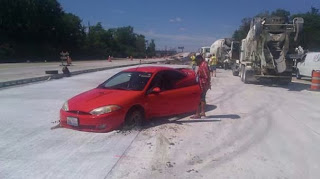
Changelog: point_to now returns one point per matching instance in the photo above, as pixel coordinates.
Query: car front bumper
(92, 123)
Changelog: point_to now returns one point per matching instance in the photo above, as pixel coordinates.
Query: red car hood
(95, 98)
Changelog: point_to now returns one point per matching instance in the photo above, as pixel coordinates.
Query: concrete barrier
(58, 76)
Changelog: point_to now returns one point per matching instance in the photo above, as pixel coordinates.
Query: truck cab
(205, 52)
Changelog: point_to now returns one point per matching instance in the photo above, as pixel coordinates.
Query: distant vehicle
(264, 51)
(205, 52)
(226, 51)
(309, 63)
(131, 96)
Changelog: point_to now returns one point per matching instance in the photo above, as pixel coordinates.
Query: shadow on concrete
(228, 116)
(293, 86)
(180, 119)
(210, 107)
(299, 85)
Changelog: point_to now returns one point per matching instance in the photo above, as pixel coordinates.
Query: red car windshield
(127, 81)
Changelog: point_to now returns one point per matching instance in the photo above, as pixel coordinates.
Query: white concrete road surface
(252, 131)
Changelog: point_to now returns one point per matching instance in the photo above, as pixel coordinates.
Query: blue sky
(173, 23)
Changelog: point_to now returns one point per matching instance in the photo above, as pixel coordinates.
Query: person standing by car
(204, 82)
(213, 65)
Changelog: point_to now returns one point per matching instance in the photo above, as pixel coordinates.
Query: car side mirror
(156, 90)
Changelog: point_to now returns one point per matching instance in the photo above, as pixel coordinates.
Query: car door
(172, 100)
(314, 63)
(158, 104)
(185, 99)
(308, 63)
(302, 65)
(185, 92)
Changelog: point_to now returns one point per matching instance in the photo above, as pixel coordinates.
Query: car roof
(148, 69)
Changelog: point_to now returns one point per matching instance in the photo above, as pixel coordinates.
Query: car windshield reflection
(135, 81)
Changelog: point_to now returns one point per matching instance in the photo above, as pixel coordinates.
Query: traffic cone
(109, 59)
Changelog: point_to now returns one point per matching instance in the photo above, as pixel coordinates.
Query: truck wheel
(245, 76)
(298, 76)
(235, 72)
(241, 72)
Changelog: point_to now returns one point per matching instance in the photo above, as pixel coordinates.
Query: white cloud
(177, 19)
(182, 29)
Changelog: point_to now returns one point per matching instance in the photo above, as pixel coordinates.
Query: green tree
(97, 41)
(310, 37)
(281, 13)
(39, 29)
(151, 50)
(140, 46)
(242, 31)
(244, 28)
(70, 32)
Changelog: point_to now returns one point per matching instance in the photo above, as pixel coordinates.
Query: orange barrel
(315, 81)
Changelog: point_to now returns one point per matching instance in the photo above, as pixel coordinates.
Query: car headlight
(105, 109)
(65, 106)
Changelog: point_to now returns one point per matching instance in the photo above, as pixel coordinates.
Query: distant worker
(193, 62)
(204, 82)
(213, 65)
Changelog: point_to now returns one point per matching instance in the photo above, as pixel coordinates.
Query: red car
(131, 96)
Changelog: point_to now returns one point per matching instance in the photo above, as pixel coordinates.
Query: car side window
(157, 81)
(166, 80)
(175, 76)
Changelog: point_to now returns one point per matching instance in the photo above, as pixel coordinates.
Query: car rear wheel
(134, 119)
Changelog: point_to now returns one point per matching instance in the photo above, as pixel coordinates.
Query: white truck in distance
(205, 52)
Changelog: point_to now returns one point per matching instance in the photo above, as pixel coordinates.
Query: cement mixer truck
(264, 51)
(226, 51)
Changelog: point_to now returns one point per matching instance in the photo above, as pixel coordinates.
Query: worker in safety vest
(193, 62)
(213, 65)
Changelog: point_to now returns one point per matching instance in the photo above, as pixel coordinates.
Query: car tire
(134, 119)
(298, 76)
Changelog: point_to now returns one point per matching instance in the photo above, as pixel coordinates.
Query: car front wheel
(133, 119)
